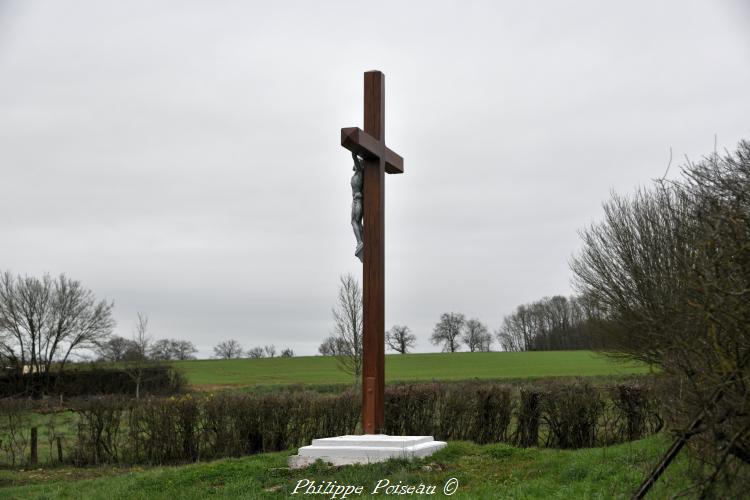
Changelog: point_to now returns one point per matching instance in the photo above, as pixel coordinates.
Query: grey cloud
(182, 158)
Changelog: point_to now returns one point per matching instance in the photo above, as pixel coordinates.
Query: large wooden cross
(378, 160)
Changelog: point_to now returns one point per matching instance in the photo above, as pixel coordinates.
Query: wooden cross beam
(378, 160)
(357, 141)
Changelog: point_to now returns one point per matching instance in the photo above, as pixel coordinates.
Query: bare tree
(183, 350)
(476, 336)
(400, 339)
(515, 333)
(287, 353)
(171, 349)
(136, 369)
(114, 349)
(161, 350)
(331, 346)
(485, 344)
(228, 349)
(448, 330)
(670, 268)
(45, 321)
(255, 353)
(269, 351)
(347, 333)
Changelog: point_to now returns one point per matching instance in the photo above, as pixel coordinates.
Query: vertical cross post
(378, 160)
(373, 273)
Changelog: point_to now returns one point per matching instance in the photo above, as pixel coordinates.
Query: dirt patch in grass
(215, 387)
(22, 477)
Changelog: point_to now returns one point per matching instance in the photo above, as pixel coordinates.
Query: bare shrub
(14, 430)
(529, 416)
(492, 414)
(670, 267)
(194, 427)
(571, 412)
(99, 429)
(637, 414)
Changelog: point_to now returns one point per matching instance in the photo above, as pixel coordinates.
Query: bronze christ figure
(357, 183)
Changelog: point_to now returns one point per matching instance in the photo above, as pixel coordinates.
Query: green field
(405, 367)
(482, 471)
(489, 471)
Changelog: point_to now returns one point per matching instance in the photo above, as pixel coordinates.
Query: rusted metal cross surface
(378, 160)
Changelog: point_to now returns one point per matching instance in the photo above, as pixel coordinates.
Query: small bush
(637, 414)
(571, 412)
(412, 407)
(99, 429)
(14, 430)
(477, 412)
(529, 416)
(492, 413)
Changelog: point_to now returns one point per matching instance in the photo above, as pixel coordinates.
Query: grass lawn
(490, 471)
(405, 367)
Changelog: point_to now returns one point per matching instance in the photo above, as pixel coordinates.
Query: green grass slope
(406, 367)
(490, 471)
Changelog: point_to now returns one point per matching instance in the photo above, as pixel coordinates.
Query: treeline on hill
(554, 323)
(570, 414)
(116, 349)
(232, 349)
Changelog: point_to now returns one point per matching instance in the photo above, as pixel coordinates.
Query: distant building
(34, 369)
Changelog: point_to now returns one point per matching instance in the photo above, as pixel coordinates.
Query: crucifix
(377, 160)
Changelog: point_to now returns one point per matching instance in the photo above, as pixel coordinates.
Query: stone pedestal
(368, 448)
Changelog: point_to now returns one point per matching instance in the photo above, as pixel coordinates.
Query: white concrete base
(365, 449)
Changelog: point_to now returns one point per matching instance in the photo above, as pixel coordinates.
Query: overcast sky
(183, 158)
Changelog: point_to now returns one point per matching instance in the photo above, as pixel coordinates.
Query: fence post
(34, 457)
(59, 449)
